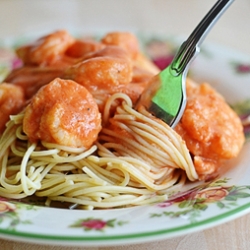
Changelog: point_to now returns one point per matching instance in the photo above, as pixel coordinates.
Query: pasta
(79, 140)
(112, 177)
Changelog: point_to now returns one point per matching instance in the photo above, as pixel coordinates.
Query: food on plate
(11, 102)
(46, 51)
(62, 112)
(211, 129)
(31, 79)
(75, 137)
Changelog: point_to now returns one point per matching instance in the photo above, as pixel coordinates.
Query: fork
(165, 97)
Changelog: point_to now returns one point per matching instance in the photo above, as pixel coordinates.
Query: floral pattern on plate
(193, 202)
(97, 224)
(10, 213)
(241, 68)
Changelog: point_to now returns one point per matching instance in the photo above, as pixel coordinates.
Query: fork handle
(190, 48)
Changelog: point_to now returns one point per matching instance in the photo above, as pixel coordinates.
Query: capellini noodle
(109, 174)
(78, 140)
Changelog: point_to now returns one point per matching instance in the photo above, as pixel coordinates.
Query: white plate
(227, 197)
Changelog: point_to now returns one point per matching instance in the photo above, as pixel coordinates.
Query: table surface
(163, 16)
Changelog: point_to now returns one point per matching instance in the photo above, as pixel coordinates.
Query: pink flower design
(94, 224)
(89, 224)
(241, 68)
(187, 195)
(165, 204)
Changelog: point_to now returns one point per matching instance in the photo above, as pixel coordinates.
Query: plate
(196, 207)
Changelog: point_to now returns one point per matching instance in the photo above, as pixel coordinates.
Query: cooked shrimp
(101, 73)
(139, 82)
(130, 44)
(63, 112)
(82, 47)
(141, 75)
(211, 129)
(125, 40)
(144, 63)
(46, 50)
(143, 68)
(109, 51)
(11, 102)
(111, 70)
(31, 79)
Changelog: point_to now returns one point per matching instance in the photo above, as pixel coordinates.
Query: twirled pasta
(80, 141)
(117, 171)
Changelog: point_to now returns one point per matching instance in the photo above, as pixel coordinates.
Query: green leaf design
(111, 223)
(184, 204)
(236, 195)
(242, 195)
(216, 192)
(200, 206)
(220, 204)
(77, 223)
(234, 204)
(231, 198)
(155, 215)
(177, 214)
(191, 213)
(91, 223)
(12, 215)
(121, 223)
(232, 189)
(200, 200)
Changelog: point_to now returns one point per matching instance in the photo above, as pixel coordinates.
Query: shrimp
(212, 130)
(125, 40)
(31, 79)
(47, 50)
(11, 102)
(82, 47)
(143, 68)
(130, 44)
(63, 112)
(143, 71)
(145, 64)
(111, 70)
(109, 51)
(101, 73)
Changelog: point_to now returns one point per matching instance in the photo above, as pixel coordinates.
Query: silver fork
(165, 96)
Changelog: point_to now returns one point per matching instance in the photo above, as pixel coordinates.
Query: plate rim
(146, 236)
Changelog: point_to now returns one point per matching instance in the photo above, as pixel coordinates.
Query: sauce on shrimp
(47, 50)
(66, 111)
(11, 102)
(63, 112)
(212, 130)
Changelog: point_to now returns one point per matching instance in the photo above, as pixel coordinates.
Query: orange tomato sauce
(67, 82)
(63, 112)
(211, 129)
